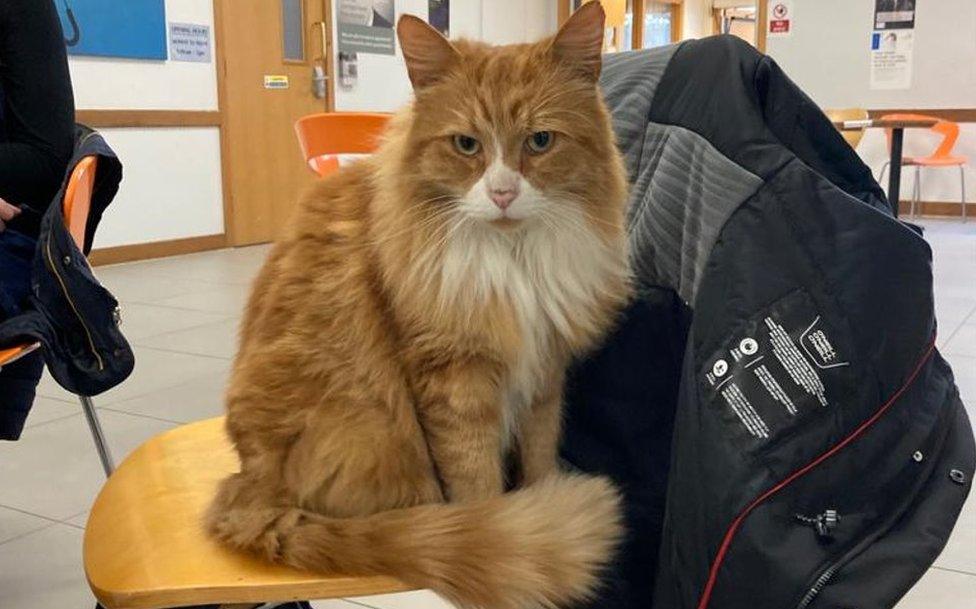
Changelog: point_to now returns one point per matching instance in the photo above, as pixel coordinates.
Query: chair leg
(101, 445)
(962, 189)
(916, 191)
(883, 169)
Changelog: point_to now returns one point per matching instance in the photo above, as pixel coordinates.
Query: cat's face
(509, 136)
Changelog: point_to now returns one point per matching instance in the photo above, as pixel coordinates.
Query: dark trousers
(18, 381)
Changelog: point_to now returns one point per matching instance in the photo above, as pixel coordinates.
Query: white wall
(696, 18)
(383, 84)
(828, 56)
(171, 187)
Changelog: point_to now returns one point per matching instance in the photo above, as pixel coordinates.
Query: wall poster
(894, 14)
(366, 26)
(439, 16)
(134, 29)
(892, 44)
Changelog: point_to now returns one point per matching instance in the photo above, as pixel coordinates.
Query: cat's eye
(540, 141)
(466, 145)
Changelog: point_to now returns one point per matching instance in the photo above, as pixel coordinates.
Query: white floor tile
(334, 604)
(14, 523)
(140, 321)
(155, 371)
(951, 312)
(78, 521)
(201, 398)
(130, 284)
(940, 589)
(421, 599)
(222, 266)
(963, 342)
(960, 552)
(49, 409)
(214, 339)
(54, 471)
(226, 299)
(43, 570)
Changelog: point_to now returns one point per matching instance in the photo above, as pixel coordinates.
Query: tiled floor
(180, 314)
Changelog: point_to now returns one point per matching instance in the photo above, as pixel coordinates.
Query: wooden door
(268, 51)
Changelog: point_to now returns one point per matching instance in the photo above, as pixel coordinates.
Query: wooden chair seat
(145, 547)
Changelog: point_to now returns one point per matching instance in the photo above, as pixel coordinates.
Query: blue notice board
(114, 28)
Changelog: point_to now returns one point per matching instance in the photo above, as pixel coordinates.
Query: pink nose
(503, 198)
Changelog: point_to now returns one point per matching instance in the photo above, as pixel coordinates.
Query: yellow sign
(275, 81)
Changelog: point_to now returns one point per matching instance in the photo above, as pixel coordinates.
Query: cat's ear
(428, 54)
(579, 42)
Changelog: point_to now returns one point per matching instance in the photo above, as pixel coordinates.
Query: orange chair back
(324, 136)
(77, 199)
(947, 129)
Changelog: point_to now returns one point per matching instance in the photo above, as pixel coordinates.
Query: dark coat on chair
(75, 319)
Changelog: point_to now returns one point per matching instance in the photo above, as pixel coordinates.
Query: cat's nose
(503, 198)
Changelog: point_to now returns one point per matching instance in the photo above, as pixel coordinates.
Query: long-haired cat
(409, 335)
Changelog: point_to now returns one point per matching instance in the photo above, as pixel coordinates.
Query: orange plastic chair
(323, 137)
(75, 209)
(941, 157)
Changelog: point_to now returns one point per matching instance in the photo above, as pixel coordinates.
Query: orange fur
(405, 338)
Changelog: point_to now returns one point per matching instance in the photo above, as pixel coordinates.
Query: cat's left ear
(428, 54)
(579, 41)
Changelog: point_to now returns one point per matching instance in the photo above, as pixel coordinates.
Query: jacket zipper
(821, 582)
(64, 290)
(819, 585)
(706, 594)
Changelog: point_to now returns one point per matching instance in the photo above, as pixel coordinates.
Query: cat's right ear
(428, 54)
(579, 41)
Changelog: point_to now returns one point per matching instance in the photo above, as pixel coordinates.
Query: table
(897, 141)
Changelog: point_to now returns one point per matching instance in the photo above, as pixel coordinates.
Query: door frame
(220, 67)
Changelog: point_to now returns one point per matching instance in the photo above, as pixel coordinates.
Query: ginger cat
(409, 334)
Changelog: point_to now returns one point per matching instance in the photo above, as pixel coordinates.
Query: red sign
(779, 26)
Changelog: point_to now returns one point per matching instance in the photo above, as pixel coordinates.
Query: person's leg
(18, 381)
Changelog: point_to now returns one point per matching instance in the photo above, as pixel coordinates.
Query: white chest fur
(550, 274)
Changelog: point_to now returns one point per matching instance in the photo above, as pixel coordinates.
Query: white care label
(784, 363)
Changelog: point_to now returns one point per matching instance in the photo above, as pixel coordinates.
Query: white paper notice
(891, 59)
(189, 42)
(780, 18)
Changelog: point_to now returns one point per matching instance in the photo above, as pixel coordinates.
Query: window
(635, 24)
(293, 30)
(658, 24)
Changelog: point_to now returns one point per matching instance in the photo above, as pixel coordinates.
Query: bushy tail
(542, 546)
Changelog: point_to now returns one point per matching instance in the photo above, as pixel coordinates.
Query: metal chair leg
(916, 191)
(962, 189)
(883, 169)
(101, 445)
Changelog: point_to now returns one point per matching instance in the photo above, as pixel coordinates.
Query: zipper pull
(824, 524)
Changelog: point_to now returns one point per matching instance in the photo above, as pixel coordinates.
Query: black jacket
(773, 406)
(72, 315)
(37, 113)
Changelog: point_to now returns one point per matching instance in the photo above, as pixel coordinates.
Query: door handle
(319, 64)
(323, 40)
